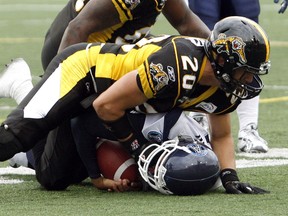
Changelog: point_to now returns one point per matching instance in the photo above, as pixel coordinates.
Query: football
(115, 162)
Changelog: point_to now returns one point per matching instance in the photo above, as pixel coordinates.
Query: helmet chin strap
(221, 73)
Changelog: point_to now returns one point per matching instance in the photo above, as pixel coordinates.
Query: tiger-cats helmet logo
(237, 46)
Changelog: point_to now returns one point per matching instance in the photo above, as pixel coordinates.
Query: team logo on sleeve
(155, 136)
(159, 76)
(132, 3)
(208, 107)
(238, 46)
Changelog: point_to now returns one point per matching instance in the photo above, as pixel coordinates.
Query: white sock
(19, 92)
(16, 80)
(248, 112)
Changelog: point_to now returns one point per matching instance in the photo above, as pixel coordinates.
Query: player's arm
(97, 15)
(111, 105)
(223, 146)
(222, 140)
(122, 95)
(184, 20)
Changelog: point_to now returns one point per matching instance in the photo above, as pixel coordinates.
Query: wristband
(131, 144)
(123, 131)
(121, 128)
(228, 175)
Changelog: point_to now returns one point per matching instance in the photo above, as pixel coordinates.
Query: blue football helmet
(241, 43)
(179, 167)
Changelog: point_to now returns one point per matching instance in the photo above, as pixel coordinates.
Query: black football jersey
(169, 70)
(169, 78)
(136, 16)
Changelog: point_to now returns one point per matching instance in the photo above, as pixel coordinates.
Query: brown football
(115, 162)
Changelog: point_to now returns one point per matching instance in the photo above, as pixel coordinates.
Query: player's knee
(50, 183)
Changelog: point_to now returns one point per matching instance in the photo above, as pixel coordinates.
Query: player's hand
(236, 187)
(136, 186)
(112, 185)
(283, 5)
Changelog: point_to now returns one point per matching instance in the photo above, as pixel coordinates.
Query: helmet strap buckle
(226, 77)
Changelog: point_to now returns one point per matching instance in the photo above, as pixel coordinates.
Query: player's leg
(249, 139)
(57, 163)
(245, 8)
(208, 11)
(15, 80)
(16, 83)
(43, 109)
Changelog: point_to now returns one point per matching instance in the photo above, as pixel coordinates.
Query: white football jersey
(179, 123)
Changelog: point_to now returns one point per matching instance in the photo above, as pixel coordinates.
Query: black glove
(283, 5)
(236, 187)
(232, 185)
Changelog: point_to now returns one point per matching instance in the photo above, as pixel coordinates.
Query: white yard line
(275, 153)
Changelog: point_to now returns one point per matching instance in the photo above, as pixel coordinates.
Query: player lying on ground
(156, 75)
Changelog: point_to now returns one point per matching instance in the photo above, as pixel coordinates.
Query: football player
(117, 21)
(56, 159)
(121, 22)
(155, 75)
(211, 12)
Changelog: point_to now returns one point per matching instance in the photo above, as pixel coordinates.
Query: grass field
(23, 25)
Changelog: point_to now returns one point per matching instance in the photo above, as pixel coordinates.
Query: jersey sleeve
(124, 9)
(157, 76)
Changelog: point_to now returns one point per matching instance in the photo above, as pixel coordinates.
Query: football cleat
(16, 73)
(249, 140)
(19, 159)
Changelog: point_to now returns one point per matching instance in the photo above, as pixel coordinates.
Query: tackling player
(117, 21)
(155, 75)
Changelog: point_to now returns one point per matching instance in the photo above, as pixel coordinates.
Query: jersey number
(188, 65)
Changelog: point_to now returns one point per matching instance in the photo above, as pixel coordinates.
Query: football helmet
(238, 42)
(179, 167)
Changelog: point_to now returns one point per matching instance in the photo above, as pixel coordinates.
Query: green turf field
(23, 25)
